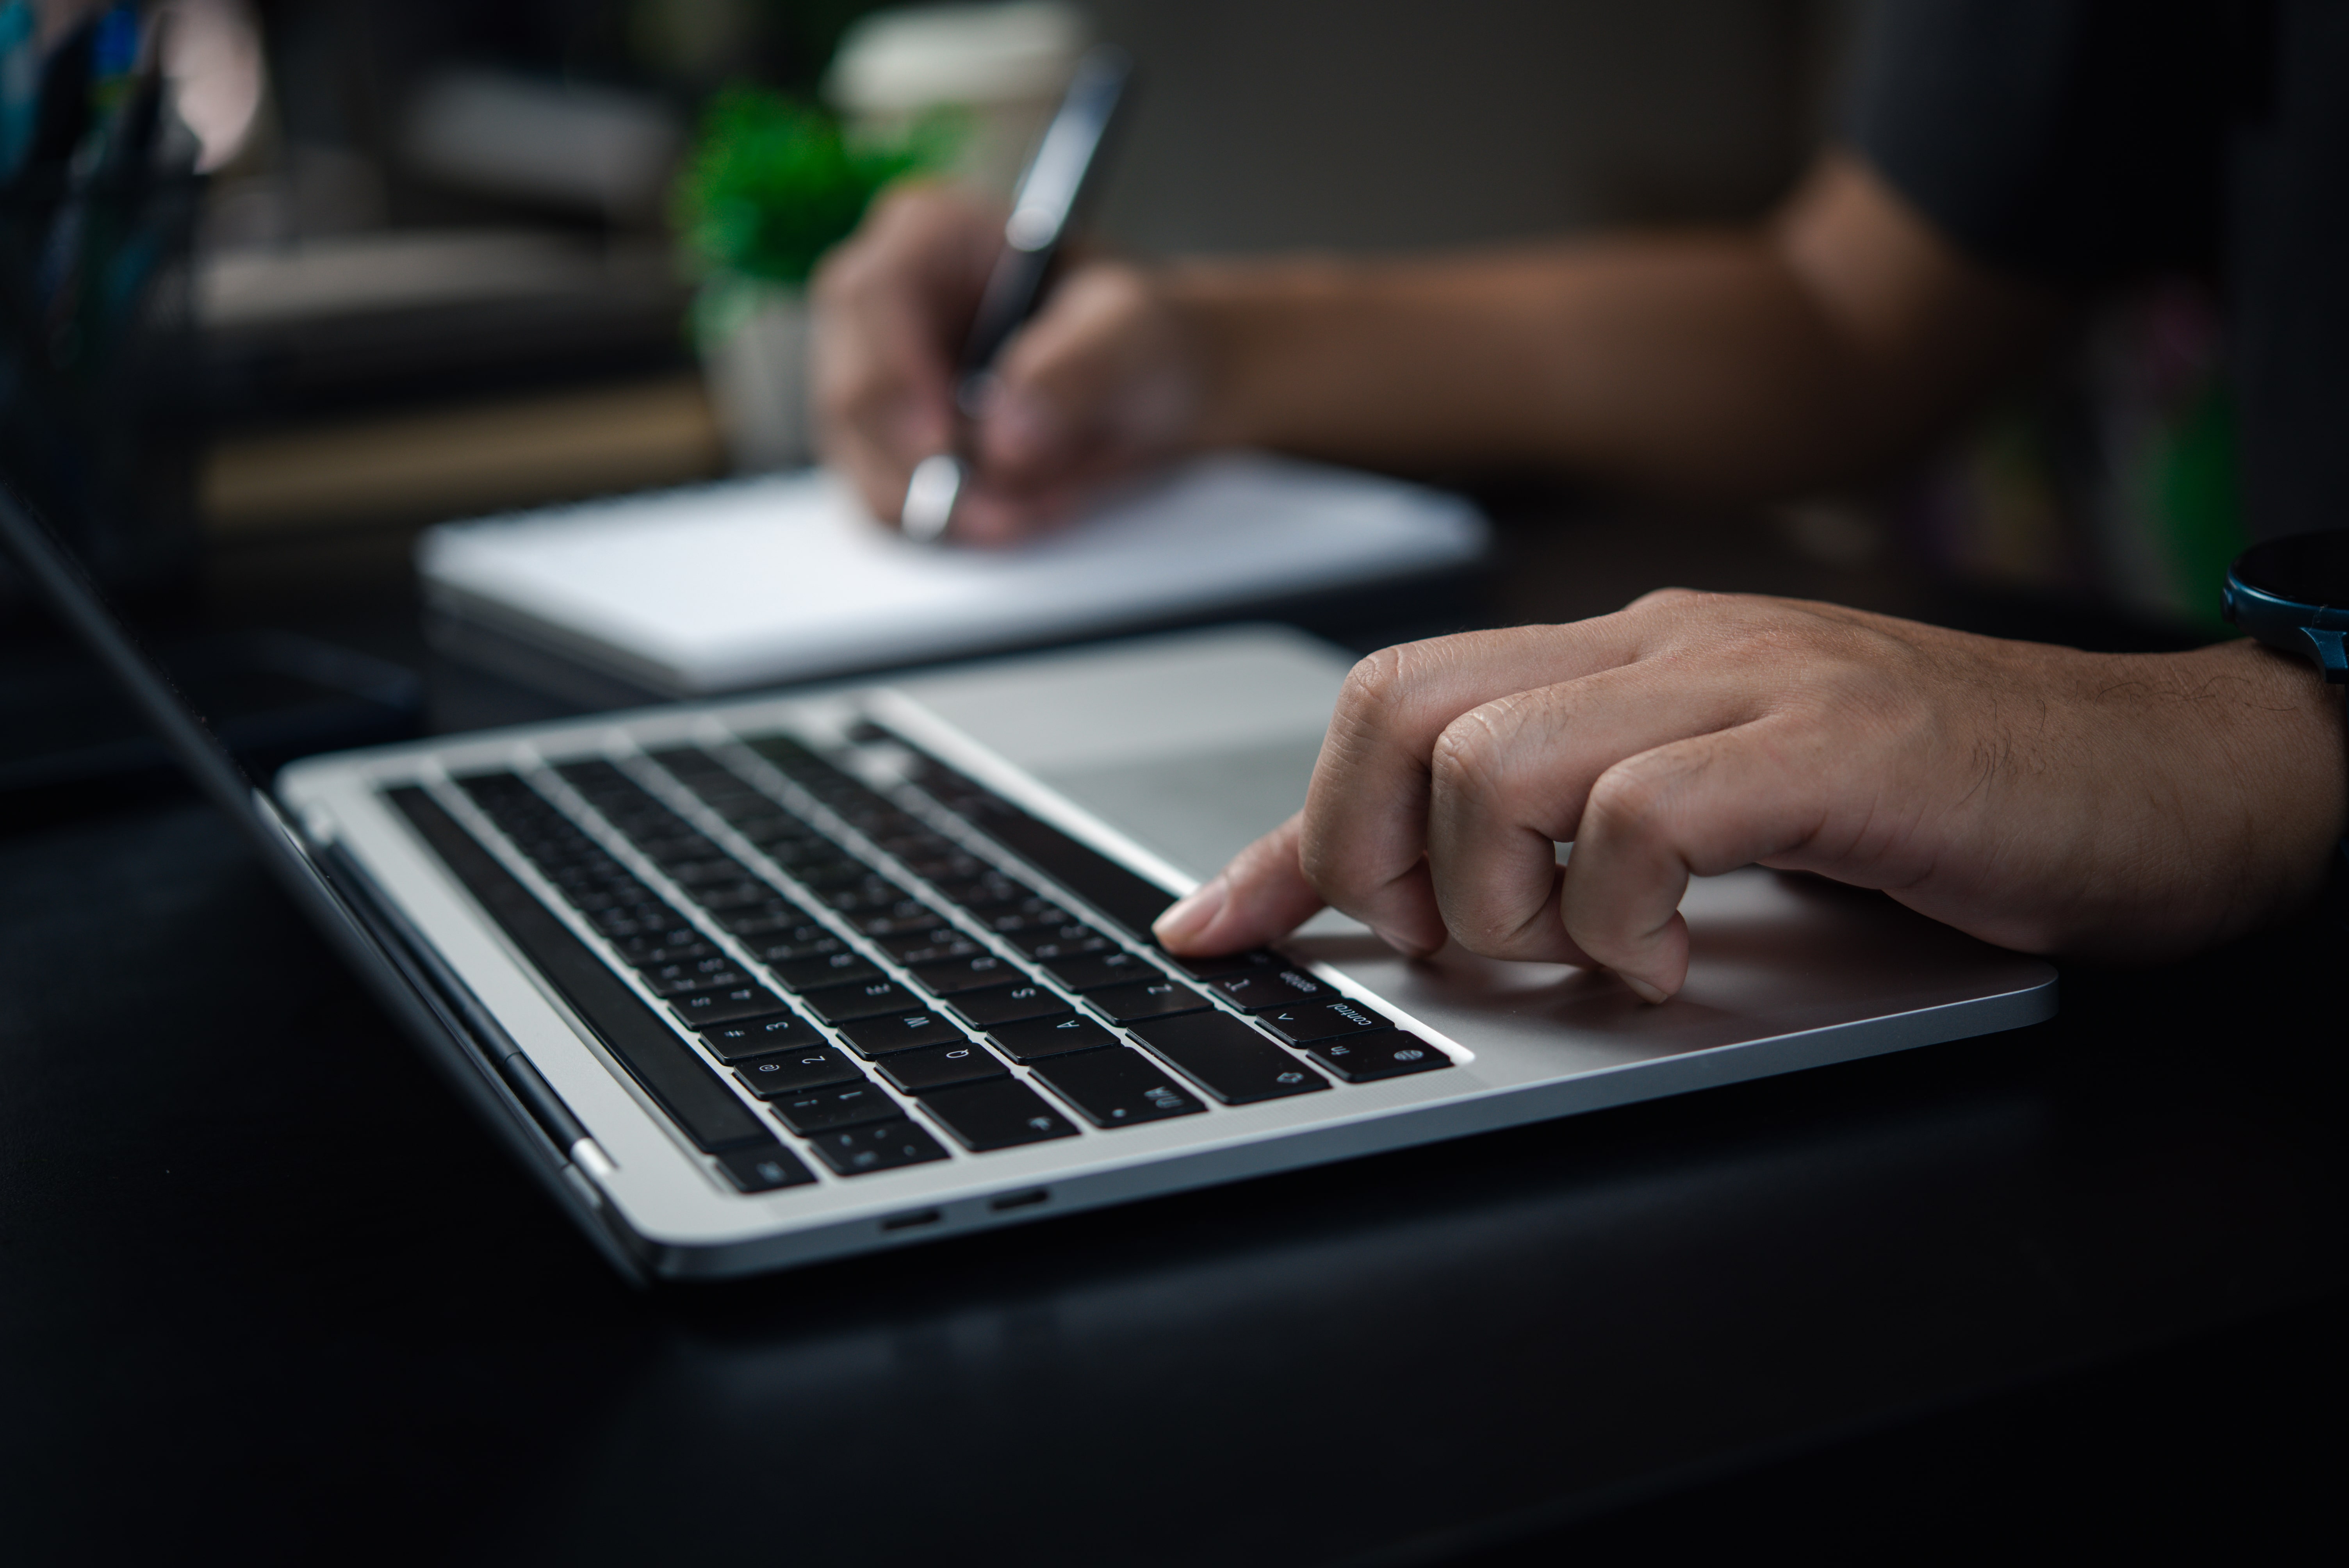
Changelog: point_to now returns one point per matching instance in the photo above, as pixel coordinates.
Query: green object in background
(773, 182)
(2197, 502)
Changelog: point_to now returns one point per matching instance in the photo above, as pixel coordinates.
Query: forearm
(1739, 364)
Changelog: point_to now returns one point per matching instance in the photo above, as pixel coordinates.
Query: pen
(1056, 178)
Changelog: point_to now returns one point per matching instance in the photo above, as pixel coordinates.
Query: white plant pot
(755, 341)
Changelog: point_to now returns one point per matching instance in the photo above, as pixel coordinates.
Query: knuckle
(1472, 756)
(1629, 798)
(1671, 598)
(1373, 689)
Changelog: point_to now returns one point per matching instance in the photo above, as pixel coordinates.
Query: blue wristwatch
(2292, 593)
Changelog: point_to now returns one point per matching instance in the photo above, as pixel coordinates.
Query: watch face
(2306, 568)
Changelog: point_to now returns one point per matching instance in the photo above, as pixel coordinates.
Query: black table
(263, 1287)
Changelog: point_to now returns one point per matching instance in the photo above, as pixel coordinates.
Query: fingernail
(1403, 945)
(1192, 913)
(1646, 992)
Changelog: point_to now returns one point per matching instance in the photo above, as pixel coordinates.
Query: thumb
(1262, 895)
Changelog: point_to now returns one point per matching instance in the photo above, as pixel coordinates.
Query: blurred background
(451, 256)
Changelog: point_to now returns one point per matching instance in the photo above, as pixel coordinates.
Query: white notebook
(784, 577)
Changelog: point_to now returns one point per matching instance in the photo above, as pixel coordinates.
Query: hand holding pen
(1060, 384)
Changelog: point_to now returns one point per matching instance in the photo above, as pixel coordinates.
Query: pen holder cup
(100, 423)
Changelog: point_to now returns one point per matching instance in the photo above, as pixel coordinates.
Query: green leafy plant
(774, 182)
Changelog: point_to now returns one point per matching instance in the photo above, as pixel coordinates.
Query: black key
(1387, 1053)
(701, 1008)
(661, 924)
(949, 977)
(882, 1146)
(765, 1169)
(837, 873)
(1157, 998)
(724, 898)
(1323, 1021)
(786, 951)
(775, 920)
(940, 1066)
(759, 1036)
(997, 1114)
(947, 864)
(701, 1104)
(826, 1109)
(1227, 1058)
(1058, 940)
(823, 969)
(1117, 1088)
(1026, 910)
(1007, 1003)
(1040, 1037)
(707, 869)
(796, 1073)
(1053, 951)
(1091, 971)
(1263, 990)
(899, 1032)
(648, 951)
(676, 979)
(913, 919)
(711, 967)
(988, 890)
(932, 944)
(1216, 968)
(860, 999)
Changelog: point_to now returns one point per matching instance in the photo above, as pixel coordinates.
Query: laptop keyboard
(868, 981)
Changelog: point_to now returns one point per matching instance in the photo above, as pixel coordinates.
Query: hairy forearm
(1738, 364)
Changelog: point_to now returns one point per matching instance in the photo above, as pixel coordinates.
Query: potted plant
(771, 185)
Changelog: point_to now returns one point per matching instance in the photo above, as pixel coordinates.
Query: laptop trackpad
(1197, 810)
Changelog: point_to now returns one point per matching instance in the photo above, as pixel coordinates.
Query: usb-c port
(1018, 1199)
(907, 1222)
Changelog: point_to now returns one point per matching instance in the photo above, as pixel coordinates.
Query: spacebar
(693, 1095)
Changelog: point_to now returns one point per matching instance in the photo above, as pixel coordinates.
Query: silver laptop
(757, 983)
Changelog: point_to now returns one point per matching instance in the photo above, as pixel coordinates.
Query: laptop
(752, 984)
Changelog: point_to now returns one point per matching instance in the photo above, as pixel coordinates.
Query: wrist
(1261, 336)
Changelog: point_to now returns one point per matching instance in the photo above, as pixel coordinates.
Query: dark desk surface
(263, 1286)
